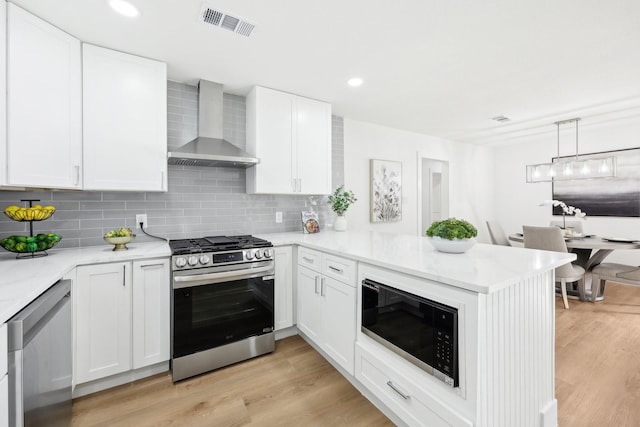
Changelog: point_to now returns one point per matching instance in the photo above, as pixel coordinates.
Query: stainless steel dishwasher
(40, 360)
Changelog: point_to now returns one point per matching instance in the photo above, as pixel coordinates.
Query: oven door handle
(209, 278)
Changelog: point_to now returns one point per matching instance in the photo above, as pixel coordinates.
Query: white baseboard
(119, 379)
(286, 332)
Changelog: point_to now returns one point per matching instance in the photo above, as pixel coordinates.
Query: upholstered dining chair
(550, 239)
(612, 272)
(497, 234)
(574, 225)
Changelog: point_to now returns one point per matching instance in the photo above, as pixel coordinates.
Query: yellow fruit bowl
(35, 213)
(30, 244)
(120, 242)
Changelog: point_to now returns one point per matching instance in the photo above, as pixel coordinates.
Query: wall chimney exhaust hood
(209, 149)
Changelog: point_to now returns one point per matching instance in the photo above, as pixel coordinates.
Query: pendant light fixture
(569, 168)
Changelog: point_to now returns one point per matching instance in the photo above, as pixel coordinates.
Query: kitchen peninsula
(504, 298)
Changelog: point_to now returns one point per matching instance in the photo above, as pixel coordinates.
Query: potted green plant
(452, 235)
(340, 201)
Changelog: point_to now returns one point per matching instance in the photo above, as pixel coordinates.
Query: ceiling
(442, 68)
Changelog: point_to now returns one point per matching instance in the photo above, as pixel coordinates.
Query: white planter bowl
(455, 246)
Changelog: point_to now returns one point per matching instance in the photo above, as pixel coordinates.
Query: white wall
(470, 171)
(516, 202)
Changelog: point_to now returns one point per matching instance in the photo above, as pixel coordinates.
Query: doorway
(433, 191)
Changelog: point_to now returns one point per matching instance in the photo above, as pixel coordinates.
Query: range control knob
(181, 262)
(204, 259)
(193, 261)
(268, 253)
(258, 253)
(249, 255)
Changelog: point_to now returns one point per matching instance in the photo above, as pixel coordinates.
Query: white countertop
(22, 280)
(483, 268)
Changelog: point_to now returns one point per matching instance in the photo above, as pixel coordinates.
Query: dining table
(590, 250)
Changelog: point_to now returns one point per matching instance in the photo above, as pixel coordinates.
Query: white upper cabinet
(291, 136)
(314, 146)
(124, 121)
(44, 118)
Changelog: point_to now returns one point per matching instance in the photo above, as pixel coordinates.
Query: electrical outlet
(141, 218)
(278, 217)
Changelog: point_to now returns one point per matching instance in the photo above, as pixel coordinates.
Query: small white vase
(340, 224)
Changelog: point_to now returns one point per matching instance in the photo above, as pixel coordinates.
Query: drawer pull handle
(308, 259)
(150, 265)
(397, 390)
(336, 269)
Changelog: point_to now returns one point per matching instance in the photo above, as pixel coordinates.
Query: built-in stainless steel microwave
(422, 331)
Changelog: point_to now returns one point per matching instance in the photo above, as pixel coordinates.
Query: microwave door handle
(188, 281)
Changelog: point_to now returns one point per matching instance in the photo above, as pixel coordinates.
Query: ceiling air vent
(220, 19)
(500, 119)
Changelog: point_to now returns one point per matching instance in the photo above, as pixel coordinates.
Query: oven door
(214, 309)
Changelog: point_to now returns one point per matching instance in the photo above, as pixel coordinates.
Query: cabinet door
(4, 401)
(103, 321)
(283, 287)
(313, 142)
(44, 129)
(270, 138)
(73, 276)
(151, 321)
(309, 304)
(3, 92)
(124, 121)
(339, 321)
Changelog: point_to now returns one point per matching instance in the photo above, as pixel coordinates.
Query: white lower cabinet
(121, 317)
(326, 306)
(4, 379)
(4, 401)
(151, 322)
(283, 287)
(103, 322)
(310, 307)
(403, 395)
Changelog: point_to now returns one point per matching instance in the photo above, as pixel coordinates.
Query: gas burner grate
(216, 244)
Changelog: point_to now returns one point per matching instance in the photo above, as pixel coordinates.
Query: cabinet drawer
(406, 399)
(3, 349)
(310, 259)
(340, 269)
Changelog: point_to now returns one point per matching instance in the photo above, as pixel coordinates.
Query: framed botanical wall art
(386, 191)
(617, 196)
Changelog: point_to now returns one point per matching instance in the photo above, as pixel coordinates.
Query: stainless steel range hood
(209, 149)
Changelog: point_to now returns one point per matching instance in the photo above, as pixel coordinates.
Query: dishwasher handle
(24, 325)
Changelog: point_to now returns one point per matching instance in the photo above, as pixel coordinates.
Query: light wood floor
(598, 360)
(597, 382)
(294, 386)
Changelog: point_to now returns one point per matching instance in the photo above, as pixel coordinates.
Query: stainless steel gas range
(222, 307)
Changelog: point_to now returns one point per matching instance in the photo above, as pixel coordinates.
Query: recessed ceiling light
(355, 81)
(124, 8)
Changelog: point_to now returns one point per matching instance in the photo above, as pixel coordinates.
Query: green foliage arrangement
(340, 200)
(452, 228)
